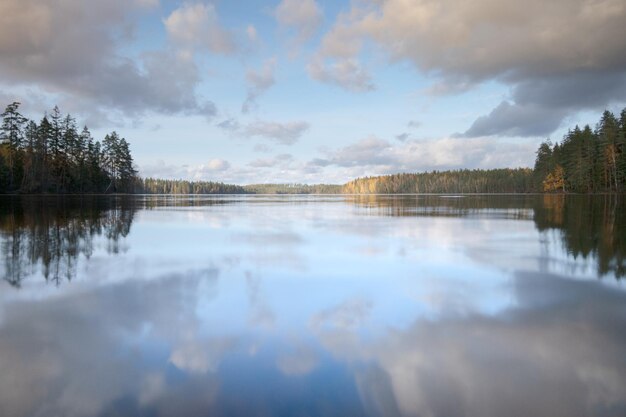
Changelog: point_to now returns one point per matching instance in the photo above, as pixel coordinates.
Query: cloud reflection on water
(461, 323)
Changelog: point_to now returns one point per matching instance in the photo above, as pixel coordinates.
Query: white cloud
(200, 357)
(345, 73)
(485, 39)
(258, 82)
(375, 156)
(348, 315)
(208, 171)
(302, 16)
(286, 133)
(218, 165)
(71, 51)
(196, 27)
(282, 133)
(563, 44)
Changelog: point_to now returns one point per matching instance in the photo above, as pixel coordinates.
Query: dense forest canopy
(159, 186)
(462, 181)
(53, 156)
(293, 188)
(586, 160)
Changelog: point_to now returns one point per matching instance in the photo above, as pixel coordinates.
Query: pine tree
(12, 136)
(608, 129)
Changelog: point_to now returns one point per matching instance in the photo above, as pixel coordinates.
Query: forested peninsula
(55, 156)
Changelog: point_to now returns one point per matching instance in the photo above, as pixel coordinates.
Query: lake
(417, 305)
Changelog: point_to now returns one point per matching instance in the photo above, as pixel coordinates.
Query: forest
(586, 160)
(293, 188)
(160, 186)
(505, 180)
(53, 156)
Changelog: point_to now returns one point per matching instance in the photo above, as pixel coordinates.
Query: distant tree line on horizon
(53, 156)
(293, 188)
(504, 180)
(160, 186)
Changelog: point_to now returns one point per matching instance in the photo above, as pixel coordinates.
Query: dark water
(307, 306)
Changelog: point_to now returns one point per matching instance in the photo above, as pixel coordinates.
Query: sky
(313, 91)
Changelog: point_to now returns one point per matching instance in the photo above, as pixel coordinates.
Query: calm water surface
(314, 305)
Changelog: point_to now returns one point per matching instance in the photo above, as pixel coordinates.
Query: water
(314, 305)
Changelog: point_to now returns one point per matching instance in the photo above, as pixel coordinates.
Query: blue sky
(317, 91)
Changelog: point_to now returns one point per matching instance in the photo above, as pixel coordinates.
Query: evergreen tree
(608, 133)
(12, 136)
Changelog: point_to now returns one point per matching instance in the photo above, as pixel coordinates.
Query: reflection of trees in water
(52, 232)
(493, 206)
(590, 226)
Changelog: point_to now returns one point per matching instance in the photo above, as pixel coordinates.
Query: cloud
(71, 49)
(206, 171)
(414, 124)
(484, 361)
(302, 16)
(529, 45)
(286, 133)
(517, 120)
(200, 357)
(402, 137)
(375, 156)
(487, 39)
(258, 82)
(345, 73)
(230, 125)
(282, 133)
(218, 165)
(214, 169)
(346, 316)
(537, 107)
(71, 384)
(196, 27)
(368, 151)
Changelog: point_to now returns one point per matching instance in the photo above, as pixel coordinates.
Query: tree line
(293, 188)
(505, 180)
(586, 160)
(53, 156)
(160, 186)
